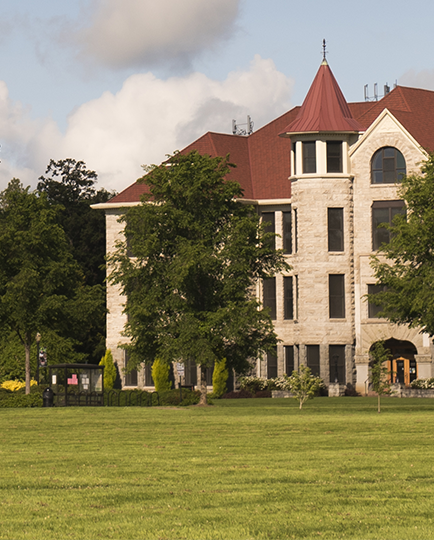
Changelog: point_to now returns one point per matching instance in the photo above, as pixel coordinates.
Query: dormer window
(387, 166)
(309, 157)
(334, 156)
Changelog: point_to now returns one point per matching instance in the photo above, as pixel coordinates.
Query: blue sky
(121, 83)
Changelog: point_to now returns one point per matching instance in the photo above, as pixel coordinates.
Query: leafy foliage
(379, 373)
(109, 370)
(70, 187)
(41, 286)
(220, 378)
(408, 271)
(304, 385)
(197, 255)
(160, 375)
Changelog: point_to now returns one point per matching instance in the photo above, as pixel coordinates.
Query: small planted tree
(220, 378)
(304, 385)
(160, 374)
(109, 371)
(379, 373)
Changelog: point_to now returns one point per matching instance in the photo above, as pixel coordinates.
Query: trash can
(48, 398)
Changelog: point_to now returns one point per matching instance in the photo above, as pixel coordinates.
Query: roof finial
(324, 53)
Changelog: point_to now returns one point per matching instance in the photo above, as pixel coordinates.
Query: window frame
(309, 157)
(392, 171)
(339, 366)
(269, 296)
(287, 232)
(269, 222)
(377, 231)
(288, 298)
(337, 301)
(313, 359)
(339, 245)
(334, 161)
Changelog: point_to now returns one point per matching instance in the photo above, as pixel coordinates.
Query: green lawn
(241, 469)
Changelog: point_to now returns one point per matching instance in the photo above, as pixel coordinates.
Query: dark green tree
(405, 266)
(71, 186)
(41, 285)
(380, 376)
(197, 256)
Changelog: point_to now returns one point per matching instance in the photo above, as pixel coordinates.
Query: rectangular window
(295, 230)
(309, 157)
(272, 364)
(149, 381)
(334, 156)
(337, 363)
(335, 226)
(294, 155)
(296, 298)
(269, 223)
(312, 354)
(287, 232)
(374, 310)
(131, 376)
(288, 298)
(336, 296)
(190, 373)
(289, 359)
(383, 212)
(269, 296)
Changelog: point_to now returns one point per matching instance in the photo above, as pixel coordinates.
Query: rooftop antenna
(238, 130)
(324, 52)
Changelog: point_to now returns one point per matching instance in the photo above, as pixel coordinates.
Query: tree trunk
(27, 349)
(203, 389)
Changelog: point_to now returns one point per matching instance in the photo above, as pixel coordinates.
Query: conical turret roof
(324, 108)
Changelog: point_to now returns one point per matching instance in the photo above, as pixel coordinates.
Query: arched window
(387, 166)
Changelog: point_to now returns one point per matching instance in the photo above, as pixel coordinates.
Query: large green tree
(405, 266)
(69, 185)
(41, 285)
(197, 256)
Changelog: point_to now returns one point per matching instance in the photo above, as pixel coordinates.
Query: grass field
(241, 469)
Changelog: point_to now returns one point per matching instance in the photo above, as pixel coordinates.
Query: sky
(122, 83)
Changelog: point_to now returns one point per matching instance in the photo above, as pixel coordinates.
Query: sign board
(180, 369)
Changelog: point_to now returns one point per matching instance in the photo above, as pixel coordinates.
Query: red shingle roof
(324, 108)
(263, 158)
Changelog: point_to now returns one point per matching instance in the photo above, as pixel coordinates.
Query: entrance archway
(402, 366)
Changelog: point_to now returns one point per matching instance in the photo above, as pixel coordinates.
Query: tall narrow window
(373, 309)
(130, 375)
(272, 364)
(387, 166)
(287, 232)
(296, 298)
(288, 298)
(289, 359)
(269, 296)
(337, 363)
(269, 222)
(335, 225)
(149, 381)
(312, 354)
(383, 212)
(295, 230)
(294, 157)
(334, 156)
(309, 157)
(336, 296)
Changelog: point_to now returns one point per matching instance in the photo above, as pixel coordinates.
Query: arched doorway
(402, 366)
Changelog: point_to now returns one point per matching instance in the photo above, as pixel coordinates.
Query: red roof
(263, 158)
(324, 108)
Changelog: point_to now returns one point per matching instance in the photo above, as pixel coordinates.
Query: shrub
(173, 397)
(253, 384)
(423, 383)
(220, 378)
(16, 399)
(263, 394)
(160, 374)
(237, 395)
(15, 386)
(109, 371)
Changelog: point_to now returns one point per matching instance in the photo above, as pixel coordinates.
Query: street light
(38, 341)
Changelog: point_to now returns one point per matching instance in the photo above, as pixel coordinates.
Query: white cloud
(126, 33)
(147, 119)
(418, 79)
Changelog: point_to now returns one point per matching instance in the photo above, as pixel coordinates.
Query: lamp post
(38, 341)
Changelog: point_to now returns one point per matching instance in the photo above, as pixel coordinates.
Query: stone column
(362, 372)
(424, 366)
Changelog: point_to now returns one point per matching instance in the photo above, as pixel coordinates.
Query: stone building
(323, 176)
